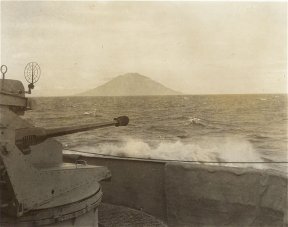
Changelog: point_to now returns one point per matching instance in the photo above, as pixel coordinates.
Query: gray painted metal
(34, 187)
(56, 214)
(26, 137)
(37, 187)
(12, 87)
(12, 93)
(183, 194)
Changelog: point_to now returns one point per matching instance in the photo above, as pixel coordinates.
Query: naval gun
(26, 137)
(36, 186)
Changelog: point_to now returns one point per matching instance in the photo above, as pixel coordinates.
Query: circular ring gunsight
(121, 121)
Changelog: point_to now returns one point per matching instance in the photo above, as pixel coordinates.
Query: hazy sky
(192, 47)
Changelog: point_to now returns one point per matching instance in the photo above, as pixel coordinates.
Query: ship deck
(120, 216)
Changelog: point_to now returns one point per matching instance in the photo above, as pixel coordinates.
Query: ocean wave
(203, 123)
(259, 136)
(196, 121)
(207, 150)
(166, 129)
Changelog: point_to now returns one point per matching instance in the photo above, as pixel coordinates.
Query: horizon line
(59, 96)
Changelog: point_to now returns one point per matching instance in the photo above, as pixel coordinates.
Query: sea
(247, 131)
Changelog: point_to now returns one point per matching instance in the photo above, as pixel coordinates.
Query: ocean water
(216, 128)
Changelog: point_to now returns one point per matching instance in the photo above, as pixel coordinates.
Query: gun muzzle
(121, 121)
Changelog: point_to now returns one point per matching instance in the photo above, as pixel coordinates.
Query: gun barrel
(32, 136)
(74, 129)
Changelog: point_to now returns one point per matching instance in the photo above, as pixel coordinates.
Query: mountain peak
(131, 76)
(130, 84)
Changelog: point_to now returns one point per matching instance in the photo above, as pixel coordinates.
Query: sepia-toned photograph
(143, 114)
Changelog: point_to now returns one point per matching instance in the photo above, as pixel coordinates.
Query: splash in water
(207, 150)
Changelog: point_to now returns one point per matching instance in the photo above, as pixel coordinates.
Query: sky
(191, 47)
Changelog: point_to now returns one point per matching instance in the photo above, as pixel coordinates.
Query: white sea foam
(207, 150)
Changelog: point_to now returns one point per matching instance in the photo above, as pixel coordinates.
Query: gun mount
(36, 187)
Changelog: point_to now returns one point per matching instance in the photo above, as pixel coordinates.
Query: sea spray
(229, 151)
